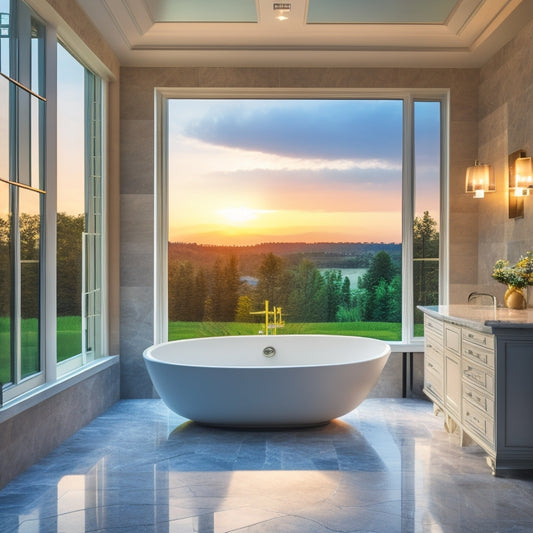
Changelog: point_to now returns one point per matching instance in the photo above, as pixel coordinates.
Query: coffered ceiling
(407, 33)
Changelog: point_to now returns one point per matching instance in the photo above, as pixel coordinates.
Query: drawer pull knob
(477, 399)
(473, 417)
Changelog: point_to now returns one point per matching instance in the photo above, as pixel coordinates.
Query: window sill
(43, 392)
(403, 347)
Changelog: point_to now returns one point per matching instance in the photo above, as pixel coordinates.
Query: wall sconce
(522, 174)
(518, 167)
(480, 179)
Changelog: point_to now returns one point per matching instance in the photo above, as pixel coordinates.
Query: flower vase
(514, 298)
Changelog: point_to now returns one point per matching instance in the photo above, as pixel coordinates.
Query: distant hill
(323, 254)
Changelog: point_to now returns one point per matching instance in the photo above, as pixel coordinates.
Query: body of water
(353, 274)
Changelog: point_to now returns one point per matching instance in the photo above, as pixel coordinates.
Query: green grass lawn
(386, 331)
(69, 335)
(68, 343)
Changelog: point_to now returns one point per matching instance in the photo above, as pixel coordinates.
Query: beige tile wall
(137, 175)
(505, 125)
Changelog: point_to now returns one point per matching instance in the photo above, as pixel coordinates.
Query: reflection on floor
(387, 467)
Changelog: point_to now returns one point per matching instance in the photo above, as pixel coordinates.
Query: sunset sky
(251, 171)
(70, 134)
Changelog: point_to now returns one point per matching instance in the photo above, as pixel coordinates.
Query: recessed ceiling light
(282, 11)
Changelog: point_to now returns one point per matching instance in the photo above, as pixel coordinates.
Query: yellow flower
(518, 275)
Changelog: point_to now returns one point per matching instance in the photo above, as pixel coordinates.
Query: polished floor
(387, 467)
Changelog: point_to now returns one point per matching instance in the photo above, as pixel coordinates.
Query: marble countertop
(482, 317)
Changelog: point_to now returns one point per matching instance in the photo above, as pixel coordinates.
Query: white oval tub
(228, 381)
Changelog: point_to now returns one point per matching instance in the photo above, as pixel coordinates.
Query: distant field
(386, 331)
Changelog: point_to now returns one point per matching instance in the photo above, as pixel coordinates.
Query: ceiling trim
(473, 31)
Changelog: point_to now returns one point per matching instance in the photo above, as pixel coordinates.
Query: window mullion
(444, 202)
(15, 235)
(49, 316)
(407, 219)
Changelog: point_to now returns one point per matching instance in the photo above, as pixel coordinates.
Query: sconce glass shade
(480, 179)
(523, 179)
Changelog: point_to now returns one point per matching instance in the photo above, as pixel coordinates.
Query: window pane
(285, 204)
(427, 208)
(5, 36)
(24, 137)
(37, 57)
(70, 202)
(5, 118)
(37, 143)
(30, 246)
(92, 280)
(6, 298)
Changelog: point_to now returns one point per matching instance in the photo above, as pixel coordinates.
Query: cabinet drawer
(478, 376)
(452, 338)
(478, 354)
(432, 343)
(476, 337)
(479, 399)
(478, 421)
(435, 355)
(433, 327)
(433, 361)
(452, 383)
(433, 382)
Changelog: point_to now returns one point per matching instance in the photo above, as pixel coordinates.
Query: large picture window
(302, 215)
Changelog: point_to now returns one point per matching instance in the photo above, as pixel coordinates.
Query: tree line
(69, 254)
(304, 293)
(218, 292)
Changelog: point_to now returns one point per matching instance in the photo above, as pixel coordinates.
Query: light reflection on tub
(228, 381)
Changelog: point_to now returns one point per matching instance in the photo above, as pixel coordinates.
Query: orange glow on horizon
(286, 226)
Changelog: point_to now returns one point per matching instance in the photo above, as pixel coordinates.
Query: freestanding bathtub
(266, 381)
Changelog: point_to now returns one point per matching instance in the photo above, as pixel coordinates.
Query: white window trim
(409, 343)
(51, 371)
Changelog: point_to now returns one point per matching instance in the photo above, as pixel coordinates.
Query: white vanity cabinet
(478, 371)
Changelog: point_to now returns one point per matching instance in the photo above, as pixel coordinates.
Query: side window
(78, 210)
(22, 197)
(426, 227)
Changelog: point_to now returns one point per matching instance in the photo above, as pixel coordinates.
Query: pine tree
(272, 282)
(308, 299)
(244, 308)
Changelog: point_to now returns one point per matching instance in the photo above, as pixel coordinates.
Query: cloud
(306, 129)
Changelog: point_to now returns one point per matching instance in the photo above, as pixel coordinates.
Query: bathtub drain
(269, 351)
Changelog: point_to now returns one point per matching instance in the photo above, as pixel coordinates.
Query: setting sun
(240, 215)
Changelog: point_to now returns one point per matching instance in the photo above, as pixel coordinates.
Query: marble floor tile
(387, 466)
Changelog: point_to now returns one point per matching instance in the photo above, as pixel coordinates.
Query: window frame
(409, 342)
(50, 370)
(94, 91)
(21, 137)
